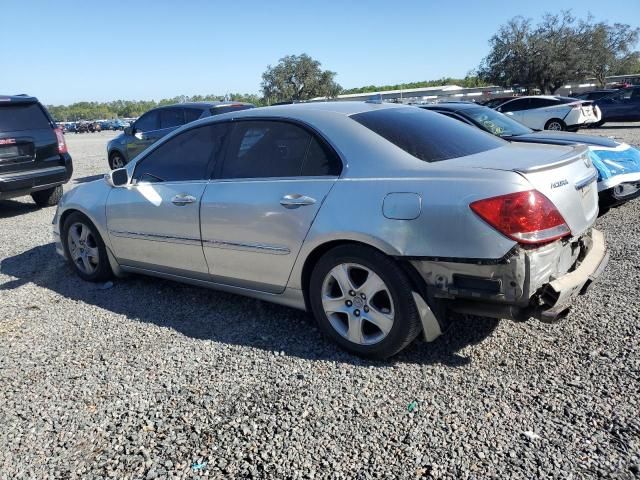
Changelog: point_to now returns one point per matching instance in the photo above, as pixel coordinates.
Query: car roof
(300, 109)
(452, 106)
(22, 98)
(203, 105)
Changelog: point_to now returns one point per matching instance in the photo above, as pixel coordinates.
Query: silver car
(379, 219)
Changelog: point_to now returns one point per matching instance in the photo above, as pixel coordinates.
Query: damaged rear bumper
(557, 294)
(537, 283)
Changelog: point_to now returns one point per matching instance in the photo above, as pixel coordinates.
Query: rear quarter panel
(445, 228)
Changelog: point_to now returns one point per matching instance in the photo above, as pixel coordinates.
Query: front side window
(171, 117)
(428, 136)
(147, 122)
(187, 156)
(262, 149)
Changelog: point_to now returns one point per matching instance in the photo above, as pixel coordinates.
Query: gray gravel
(153, 379)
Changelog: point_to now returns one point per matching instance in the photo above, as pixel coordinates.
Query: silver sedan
(379, 219)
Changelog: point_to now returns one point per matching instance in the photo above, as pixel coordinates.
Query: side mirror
(128, 130)
(117, 178)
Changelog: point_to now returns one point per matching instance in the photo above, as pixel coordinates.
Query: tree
(558, 49)
(298, 77)
(609, 51)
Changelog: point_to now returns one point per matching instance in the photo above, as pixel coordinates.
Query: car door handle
(295, 200)
(183, 199)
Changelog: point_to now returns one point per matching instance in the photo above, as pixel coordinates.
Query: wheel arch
(318, 251)
(115, 266)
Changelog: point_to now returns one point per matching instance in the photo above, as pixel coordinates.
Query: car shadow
(211, 315)
(89, 178)
(12, 208)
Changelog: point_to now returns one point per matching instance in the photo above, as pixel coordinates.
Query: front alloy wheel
(85, 249)
(116, 161)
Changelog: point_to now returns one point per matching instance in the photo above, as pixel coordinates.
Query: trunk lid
(565, 175)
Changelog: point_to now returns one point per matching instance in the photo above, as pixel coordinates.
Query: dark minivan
(161, 121)
(33, 153)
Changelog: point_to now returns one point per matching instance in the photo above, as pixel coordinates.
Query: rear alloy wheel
(116, 160)
(555, 124)
(85, 249)
(49, 197)
(363, 300)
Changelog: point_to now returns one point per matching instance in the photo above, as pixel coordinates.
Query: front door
(155, 222)
(257, 213)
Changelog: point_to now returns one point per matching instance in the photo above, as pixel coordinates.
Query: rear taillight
(526, 217)
(62, 144)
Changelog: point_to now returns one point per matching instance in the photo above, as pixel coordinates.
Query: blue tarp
(615, 165)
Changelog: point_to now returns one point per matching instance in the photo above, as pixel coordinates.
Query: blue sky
(65, 51)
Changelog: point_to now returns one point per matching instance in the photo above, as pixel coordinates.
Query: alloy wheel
(554, 126)
(83, 248)
(117, 161)
(357, 303)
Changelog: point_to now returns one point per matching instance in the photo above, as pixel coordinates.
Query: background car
(620, 106)
(618, 164)
(594, 94)
(546, 112)
(378, 218)
(159, 122)
(33, 153)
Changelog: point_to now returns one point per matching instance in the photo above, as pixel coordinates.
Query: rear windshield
(229, 108)
(427, 135)
(27, 116)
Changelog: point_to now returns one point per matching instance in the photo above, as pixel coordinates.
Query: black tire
(597, 124)
(555, 121)
(49, 197)
(113, 159)
(103, 270)
(406, 323)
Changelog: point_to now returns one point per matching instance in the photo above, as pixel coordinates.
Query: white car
(546, 112)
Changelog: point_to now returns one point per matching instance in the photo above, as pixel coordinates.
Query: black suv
(161, 121)
(33, 153)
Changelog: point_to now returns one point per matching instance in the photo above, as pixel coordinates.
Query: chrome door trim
(156, 238)
(249, 247)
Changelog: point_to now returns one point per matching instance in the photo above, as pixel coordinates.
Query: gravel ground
(153, 379)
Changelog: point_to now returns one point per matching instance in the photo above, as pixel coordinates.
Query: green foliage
(468, 82)
(135, 108)
(296, 78)
(557, 49)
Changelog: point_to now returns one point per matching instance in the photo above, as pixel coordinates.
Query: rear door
(27, 141)
(257, 212)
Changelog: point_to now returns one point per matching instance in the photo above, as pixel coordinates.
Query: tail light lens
(526, 217)
(62, 144)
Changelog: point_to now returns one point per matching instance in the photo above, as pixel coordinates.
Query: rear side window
(18, 117)
(229, 108)
(429, 136)
(187, 156)
(171, 117)
(262, 149)
(192, 114)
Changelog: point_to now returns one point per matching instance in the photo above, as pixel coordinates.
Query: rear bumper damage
(538, 283)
